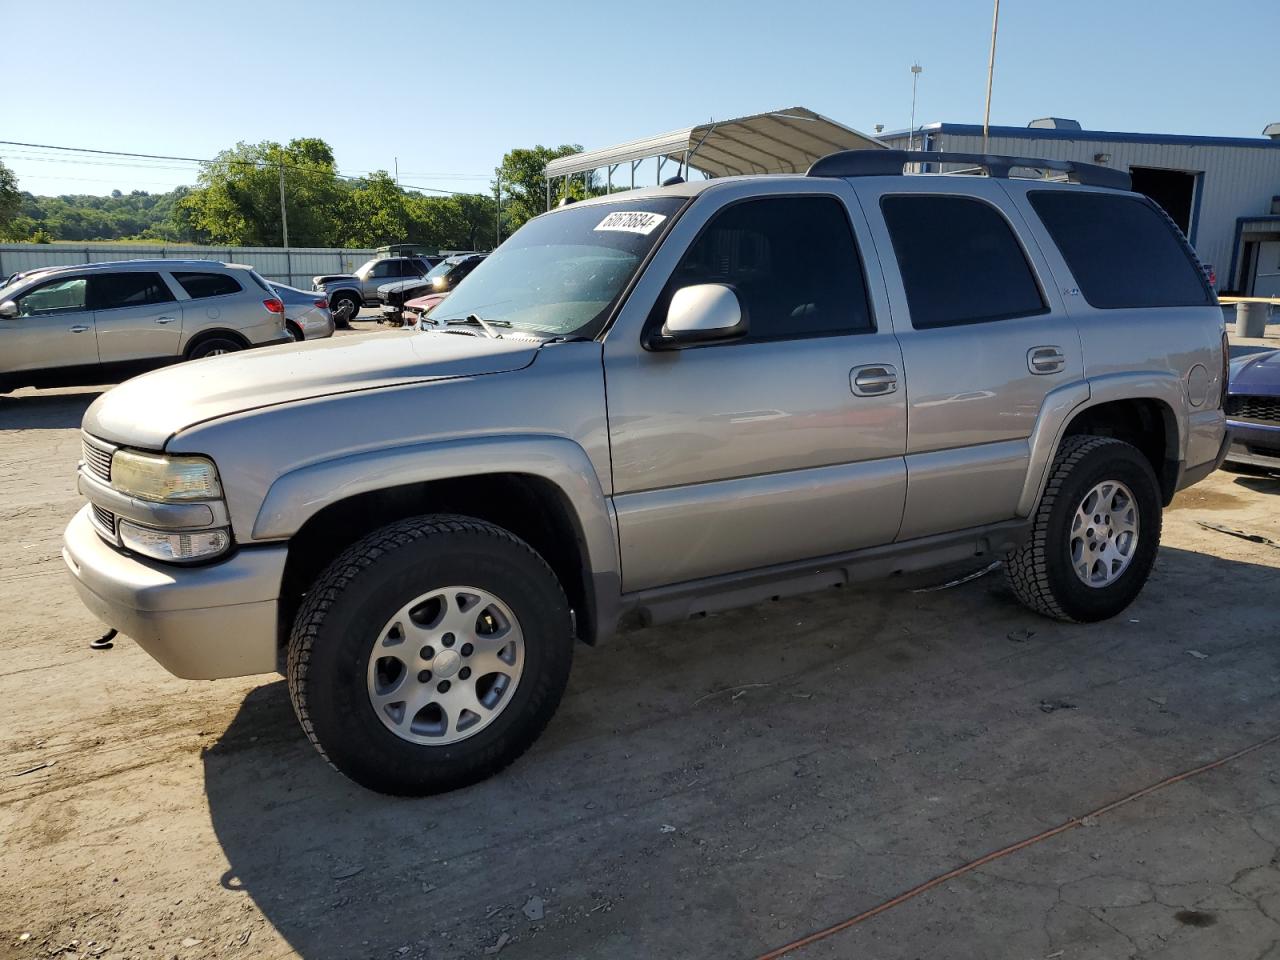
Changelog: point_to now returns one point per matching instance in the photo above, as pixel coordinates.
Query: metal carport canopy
(780, 141)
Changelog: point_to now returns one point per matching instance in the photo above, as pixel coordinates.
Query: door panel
(137, 317)
(975, 388)
(734, 456)
(704, 529)
(54, 329)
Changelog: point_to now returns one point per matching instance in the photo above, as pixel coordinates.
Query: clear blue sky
(449, 87)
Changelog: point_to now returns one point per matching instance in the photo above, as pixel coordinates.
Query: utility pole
(284, 214)
(497, 215)
(397, 160)
(991, 69)
(916, 70)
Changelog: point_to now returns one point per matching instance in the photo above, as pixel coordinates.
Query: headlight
(156, 477)
(173, 545)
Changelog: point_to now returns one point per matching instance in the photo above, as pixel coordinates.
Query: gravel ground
(712, 789)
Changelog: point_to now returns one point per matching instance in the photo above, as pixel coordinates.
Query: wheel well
(532, 508)
(206, 335)
(1147, 424)
(349, 293)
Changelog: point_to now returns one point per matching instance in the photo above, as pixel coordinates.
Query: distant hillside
(134, 216)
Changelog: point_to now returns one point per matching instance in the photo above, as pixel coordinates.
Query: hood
(148, 410)
(397, 285)
(332, 278)
(425, 303)
(1257, 374)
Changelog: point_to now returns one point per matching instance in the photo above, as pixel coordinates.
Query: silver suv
(103, 322)
(652, 406)
(348, 292)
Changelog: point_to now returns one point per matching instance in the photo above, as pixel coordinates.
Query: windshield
(443, 267)
(561, 273)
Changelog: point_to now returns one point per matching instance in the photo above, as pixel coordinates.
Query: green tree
(238, 199)
(524, 188)
(10, 200)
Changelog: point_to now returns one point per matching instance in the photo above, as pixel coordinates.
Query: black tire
(1040, 572)
(294, 331)
(214, 346)
(336, 303)
(349, 604)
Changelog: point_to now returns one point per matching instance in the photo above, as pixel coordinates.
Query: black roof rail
(888, 163)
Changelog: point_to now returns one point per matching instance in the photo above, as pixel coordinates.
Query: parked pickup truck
(348, 292)
(651, 406)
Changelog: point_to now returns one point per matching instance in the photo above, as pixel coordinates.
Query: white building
(1224, 192)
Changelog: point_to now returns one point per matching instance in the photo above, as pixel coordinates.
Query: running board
(697, 598)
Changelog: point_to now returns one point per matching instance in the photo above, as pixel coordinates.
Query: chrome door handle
(78, 328)
(1041, 360)
(873, 380)
(164, 320)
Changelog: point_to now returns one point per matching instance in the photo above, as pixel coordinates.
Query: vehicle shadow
(49, 410)
(1260, 483)
(704, 784)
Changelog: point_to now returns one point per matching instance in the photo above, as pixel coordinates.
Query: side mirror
(8, 310)
(701, 313)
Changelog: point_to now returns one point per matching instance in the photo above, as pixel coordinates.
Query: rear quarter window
(201, 285)
(1122, 250)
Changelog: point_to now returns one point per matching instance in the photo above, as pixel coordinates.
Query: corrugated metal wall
(1237, 182)
(294, 266)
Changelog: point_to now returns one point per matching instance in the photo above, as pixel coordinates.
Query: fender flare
(298, 495)
(1063, 404)
(354, 291)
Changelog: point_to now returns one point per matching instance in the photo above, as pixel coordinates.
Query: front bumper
(199, 623)
(1254, 444)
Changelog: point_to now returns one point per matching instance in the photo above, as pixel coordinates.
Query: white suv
(105, 322)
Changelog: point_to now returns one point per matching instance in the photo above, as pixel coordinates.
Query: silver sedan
(306, 312)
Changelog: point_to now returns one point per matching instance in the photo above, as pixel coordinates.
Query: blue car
(1253, 410)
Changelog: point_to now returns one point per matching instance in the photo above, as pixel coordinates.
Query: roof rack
(888, 163)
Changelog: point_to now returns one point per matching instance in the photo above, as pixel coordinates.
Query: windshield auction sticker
(635, 222)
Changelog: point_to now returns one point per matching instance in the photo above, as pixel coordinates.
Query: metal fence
(292, 265)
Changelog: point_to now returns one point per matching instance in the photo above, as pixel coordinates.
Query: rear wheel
(430, 655)
(1095, 533)
(294, 331)
(214, 347)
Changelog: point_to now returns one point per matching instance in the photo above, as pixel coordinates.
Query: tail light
(1226, 370)
(322, 303)
(274, 305)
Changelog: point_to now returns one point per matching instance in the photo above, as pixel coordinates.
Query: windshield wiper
(486, 325)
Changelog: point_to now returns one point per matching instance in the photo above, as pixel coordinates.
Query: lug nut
(424, 676)
(444, 686)
(427, 653)
(464, 673)
(467, 649)
(447, 639)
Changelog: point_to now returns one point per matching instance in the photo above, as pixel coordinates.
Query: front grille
(97, 457)
(105, 519)
(1258, 409)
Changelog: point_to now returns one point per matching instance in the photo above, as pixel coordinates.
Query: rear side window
(960, 261)
(114, 290)
(201, 285)
(792, 262)
(1122, 251)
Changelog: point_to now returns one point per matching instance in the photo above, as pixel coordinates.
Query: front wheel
(430, 655)
(1095, 533)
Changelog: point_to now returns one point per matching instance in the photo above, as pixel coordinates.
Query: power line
(262, 164)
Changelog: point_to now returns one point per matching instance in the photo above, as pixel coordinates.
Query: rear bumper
(199, 623)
